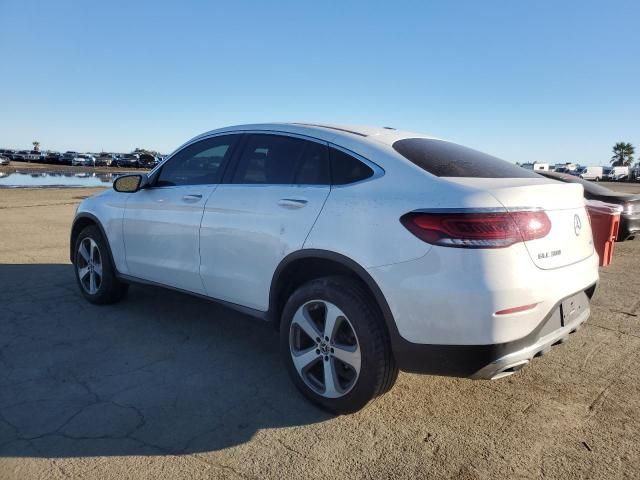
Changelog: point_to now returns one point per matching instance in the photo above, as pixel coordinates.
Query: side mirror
(130, 183)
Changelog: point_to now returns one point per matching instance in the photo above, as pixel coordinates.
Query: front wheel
(335, 345)
(95, 273)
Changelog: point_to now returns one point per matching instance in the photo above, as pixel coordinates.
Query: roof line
(330, 127)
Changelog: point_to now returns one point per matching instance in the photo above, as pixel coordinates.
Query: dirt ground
(164, 385)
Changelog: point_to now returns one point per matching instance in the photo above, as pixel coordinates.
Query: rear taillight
(477, 230)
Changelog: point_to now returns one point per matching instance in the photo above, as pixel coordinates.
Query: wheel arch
(302, 266)
(82, 221)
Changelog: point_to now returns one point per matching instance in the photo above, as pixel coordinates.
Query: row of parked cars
(595, 173)
(103, 159)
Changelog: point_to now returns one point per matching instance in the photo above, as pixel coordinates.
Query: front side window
(201, 163)
(282, 160)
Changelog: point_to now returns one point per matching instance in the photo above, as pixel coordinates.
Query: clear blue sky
(525, 80)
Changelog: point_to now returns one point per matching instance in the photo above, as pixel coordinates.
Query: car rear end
(104, 160)
(630, 219)
(128, 161)
(68, 157)
(147, 161)
(509, 270)
(83, 161)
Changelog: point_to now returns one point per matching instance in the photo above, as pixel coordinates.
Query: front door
(161, 222)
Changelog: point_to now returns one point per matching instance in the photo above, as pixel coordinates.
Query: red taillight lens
(477, 230)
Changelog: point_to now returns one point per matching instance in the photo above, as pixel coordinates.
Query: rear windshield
(446, 159)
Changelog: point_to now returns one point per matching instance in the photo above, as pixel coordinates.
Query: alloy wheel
(325, 349)
(89, 266)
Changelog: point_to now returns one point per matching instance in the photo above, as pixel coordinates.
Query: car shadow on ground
(159, 373)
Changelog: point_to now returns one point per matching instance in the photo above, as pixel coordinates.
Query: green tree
(36, 145)
(622, 154)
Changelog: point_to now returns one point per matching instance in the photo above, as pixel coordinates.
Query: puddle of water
(19, 179)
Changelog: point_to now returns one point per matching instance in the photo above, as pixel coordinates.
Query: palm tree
(622, 154)
(36, 145)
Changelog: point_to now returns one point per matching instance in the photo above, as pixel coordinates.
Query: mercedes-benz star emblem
(577, 224)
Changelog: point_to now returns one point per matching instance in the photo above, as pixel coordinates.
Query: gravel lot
(164, 385)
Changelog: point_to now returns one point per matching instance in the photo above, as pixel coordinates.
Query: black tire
(378, 371)
(110, 289)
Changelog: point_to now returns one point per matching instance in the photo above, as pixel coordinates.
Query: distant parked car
(83, 160)
(618, 174)
(130, 160)
(147, 160)
(54, 158)
(630, 216)
(7, 152)
(20, 156)
(33, 156)
(68, 156)
(4, 160)
(105, 159)
(535, 166)
(591, 173)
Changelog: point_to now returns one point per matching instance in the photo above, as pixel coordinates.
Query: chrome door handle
(292, 202)
(194, 197)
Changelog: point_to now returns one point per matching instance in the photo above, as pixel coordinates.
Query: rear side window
(282, 160)
(346, 169)
(446, 159)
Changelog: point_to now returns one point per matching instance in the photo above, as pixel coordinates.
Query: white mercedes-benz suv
(370, 249)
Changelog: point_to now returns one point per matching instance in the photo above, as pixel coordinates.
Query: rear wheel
(95, 273)
(334, 343)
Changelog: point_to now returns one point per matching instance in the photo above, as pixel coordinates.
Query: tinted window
(445, 159)
(313, 166)
(197, 164)
(347, 169)
(280, 160)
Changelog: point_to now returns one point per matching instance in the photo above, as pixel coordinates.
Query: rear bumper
(629, 226)
(490, 361)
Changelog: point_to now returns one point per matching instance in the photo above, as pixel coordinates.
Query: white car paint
(617, 173)
(228, 244)
(161, 230)
(247, 230)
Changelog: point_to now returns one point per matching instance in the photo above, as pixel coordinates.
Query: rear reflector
(477, 230)
(522, 308)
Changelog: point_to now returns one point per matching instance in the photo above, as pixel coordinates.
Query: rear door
(161, 223)
(265, 211)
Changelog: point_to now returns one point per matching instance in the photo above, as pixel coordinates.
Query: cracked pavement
(164, 385)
